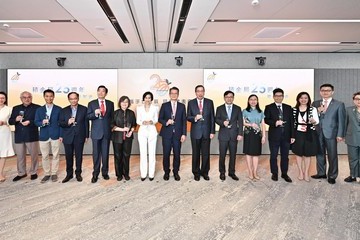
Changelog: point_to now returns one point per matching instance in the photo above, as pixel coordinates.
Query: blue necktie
(229, 112)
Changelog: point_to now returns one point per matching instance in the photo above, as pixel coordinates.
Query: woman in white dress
(147, 117)
(6, 148)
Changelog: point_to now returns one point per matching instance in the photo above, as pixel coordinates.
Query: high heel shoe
(256, 177)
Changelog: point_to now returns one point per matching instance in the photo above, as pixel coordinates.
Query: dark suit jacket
(201, 129)
(53, 129)
(100, 127)
(272, 115)
(236, 122)
(80, 130)
(332, 122)
(352, 127)
(118, 121)
(180, 121)
(29, 133)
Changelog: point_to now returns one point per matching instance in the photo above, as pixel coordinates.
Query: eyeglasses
(357, 99)
(326, 90)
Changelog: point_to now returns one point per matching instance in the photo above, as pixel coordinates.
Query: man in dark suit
(229, 118)
(75, 132)
(172, 117)
(279, 117)
(331, 130)
(47, 118)
(100, 113)
(26, 135)
(200, 113)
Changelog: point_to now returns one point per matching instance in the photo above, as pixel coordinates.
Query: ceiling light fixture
(298, 20)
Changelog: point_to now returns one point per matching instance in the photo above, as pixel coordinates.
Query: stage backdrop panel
(61, 81)
(244, 82)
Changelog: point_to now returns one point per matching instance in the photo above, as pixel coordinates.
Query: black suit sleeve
(269, 118)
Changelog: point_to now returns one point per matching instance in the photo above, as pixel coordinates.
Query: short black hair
(122, 99)
(68, 96)
(3, 93)
(148, 93)
(229, 92)
(102, 86)
(199, 86)
(327, 85)
(174, 88)
(49, 91)
(278, 90)
(355, 94)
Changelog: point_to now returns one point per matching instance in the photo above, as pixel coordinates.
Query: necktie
(173, 110)
(229, 112)
(280, 111)
(102, 108)
(200, 106)
(325, 105)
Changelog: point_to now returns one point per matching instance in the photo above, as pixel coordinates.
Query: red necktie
(102, 108)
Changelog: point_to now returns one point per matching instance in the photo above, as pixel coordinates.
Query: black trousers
(223, 147)
(284, 146)
(76, 147)
(328, 146)
(175, 145)
(122, 152)
(200, 146)
(101, 156)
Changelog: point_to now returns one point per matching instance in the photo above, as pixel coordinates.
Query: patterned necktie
(325, 105)
(173, 109)
(102, 108)
(200, 106)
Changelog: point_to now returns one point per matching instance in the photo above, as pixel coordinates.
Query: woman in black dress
(122, 126)
(305, 145)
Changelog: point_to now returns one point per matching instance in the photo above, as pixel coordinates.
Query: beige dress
(6, 147)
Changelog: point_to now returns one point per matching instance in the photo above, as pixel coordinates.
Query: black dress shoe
(17, 178)
(222, 176)
(79, 178)
(197, 178)
(234, 177)
(166, 177)
(350, 179)
(206, 177)
(106, 177)
(286, 177)
(177, 177)
(33, 176)
(66, 179)
(317, 176)
(331, 181)
(94, 179)
(119, 178)
(127, 177)
(151, 178)
(274, 177)
(143, 178)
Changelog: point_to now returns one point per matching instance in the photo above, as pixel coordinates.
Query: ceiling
(152, 26)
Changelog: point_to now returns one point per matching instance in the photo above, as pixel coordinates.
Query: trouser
(202, 146)
(175, 145)
(354, 160)
(223, 147)
(20, 149)
(147, 144)
(77, 147)
(122, 153)
(328, 146)
(45, 150)
(284, 146)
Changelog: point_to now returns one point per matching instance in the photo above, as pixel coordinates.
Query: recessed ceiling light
(193, 28)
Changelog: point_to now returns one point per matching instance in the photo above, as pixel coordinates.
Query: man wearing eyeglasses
(279, 117)
(331, 130)
(26, 136)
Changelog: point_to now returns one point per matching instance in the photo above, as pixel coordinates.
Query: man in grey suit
(331, 130)
(229, 117)
(352, 138)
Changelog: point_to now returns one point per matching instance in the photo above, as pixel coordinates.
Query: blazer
(272, 115)
(152, 115)
(179, 128)
(100, 126)
(80, 130)
(29, 133)
(201, 129)
(51, 131)
(332, 122)
(236, 122)
(118, 121)
(352, 127)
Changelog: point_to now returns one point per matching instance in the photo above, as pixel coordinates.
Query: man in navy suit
(47, 118)
(75, 132)
(229, 118)
(279, 117)
(172, 117)
(100, 113)
(200, 113)
(331, 130)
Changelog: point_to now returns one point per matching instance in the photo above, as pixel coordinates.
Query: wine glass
(21, 114)
(229, 125)
(73, 115)
(173, 119)
(48, 119)
(202, 115)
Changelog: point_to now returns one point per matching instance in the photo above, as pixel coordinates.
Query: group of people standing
(308, 129)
